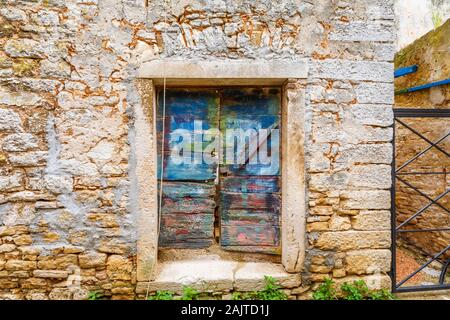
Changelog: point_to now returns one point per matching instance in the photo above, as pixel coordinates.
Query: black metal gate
(407, 186)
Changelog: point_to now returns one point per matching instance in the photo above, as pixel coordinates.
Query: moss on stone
(430, 53)
(5, 62)
(25, 67)
(6, 29)
(433, 39)
(2, 158)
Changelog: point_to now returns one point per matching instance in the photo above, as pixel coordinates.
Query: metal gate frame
(416, 113)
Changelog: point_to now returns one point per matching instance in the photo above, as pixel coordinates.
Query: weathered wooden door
(249, 183)
(188, 205)
(246, 184)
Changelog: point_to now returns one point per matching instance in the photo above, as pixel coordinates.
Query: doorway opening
(220, 162)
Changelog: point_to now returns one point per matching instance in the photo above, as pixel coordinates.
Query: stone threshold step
(216, 275)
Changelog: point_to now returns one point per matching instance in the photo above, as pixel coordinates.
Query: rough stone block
(57, 262)
(380, 9)
(363, 31)
(12, 182)
(317, 226)
(92, 260)
(60, 294)
(368, 199)
(37, 122)
(13, 14)
(79, 168)
(322, 210)
(29, 159)
(374, 282)
(372, 220)
(9, 121)
(23, 48)
(327, 181)
(58, 69)
(7, 248)
(19, 142)
(119, 268)
(352, 70)
(374, 176)
(19, 98)
(103, 220)
(51, 274)
(58, 184)
(29, 196)
(363, 154)
(12, 230)
(250, 276)
(339, 223)
(20, 265)
(374, 115)
(36, 296)
(368, 261)
(375, 92)
(23, 240)
(9, 284)
(30, 250)
(353, 240)
(46, 18)
(384, 51)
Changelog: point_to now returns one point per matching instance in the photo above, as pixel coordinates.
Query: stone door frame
(290, 76)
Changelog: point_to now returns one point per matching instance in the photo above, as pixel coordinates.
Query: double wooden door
(221, 168)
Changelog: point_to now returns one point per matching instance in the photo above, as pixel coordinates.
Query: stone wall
(431, 54)
(414, 18)
(68, 194)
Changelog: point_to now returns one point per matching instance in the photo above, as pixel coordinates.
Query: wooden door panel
(249, 194)
(201, 103)
(187, 122)
(245, 101)
(252, 170)
(251, 230)
(248, 121)
(188, 205)
(249, 233)
(185, 230)
(268, 201)
(177, 190)
(250, 190)
(250, 184)
(187, 171)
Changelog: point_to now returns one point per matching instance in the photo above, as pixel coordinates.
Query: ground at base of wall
(430, 295)
(408, 260)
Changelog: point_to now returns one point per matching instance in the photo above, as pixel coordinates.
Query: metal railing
(398, 174)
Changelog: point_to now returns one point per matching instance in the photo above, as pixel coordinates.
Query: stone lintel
(226, 72)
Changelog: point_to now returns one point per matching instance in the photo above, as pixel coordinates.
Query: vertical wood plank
(187, 212)
(250, 192)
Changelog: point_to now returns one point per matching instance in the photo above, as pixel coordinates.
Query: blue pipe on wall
(404, 71)
(424, 86)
